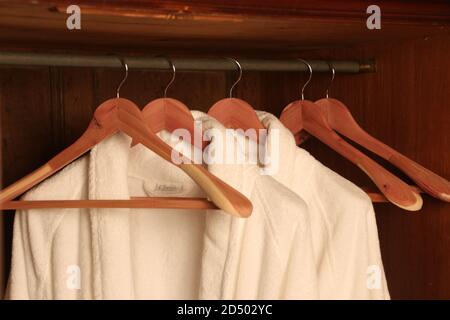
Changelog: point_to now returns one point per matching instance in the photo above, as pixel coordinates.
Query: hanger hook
(333, 74)
(309, 79)
(239, 78)
(174, 71)
(125, 65)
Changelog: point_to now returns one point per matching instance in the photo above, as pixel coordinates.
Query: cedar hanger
(305, 115)
(340, 119)
(122, 115)
(170, 114)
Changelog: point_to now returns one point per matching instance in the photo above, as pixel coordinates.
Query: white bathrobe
(155, 253)
(344, 230)
(343, 224)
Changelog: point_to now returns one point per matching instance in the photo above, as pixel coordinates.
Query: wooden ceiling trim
(214, 26)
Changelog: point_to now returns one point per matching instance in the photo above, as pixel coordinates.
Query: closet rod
(158, 62)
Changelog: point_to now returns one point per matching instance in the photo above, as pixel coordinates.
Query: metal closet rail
(160, 62)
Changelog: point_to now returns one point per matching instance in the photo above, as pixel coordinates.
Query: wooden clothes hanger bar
(122, 115)
(134, 202)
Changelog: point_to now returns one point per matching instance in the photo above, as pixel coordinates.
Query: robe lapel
(110, 228)
(223, 233)
(280, 148)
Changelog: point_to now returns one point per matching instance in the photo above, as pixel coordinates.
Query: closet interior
(394, 82)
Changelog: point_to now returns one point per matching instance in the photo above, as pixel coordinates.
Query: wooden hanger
(305, 115)
(340, 119)
(236, 113)
(170, 114)
(122, 115)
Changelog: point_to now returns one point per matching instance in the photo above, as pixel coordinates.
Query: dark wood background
(215, 26)
(405, 104)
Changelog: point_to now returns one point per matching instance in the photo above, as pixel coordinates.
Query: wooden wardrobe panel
(25, 103)
(213, 26)
(77, 102)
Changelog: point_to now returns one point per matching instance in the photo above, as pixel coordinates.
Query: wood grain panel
(77, 102)
(214, 26)
(24, 103)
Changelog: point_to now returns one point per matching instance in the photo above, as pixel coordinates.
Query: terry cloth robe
(343, 224)
(157, 253)
(344, 230)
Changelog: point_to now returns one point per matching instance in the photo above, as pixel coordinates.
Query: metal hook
(333, 74)
(238, 79)
(309, 79)
(173, 75)
(125, 65)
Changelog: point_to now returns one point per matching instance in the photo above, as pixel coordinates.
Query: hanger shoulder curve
(167, 114)
(235, 113)
(341, 120)
(292, 117)
(171, 114)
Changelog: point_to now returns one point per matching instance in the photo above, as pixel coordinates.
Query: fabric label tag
(163, 188)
